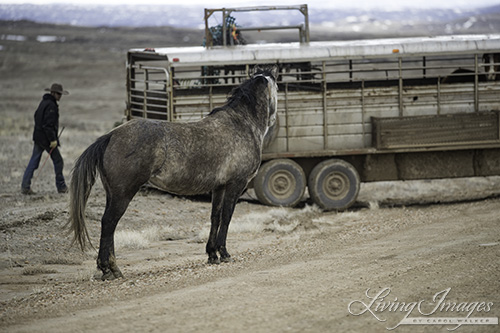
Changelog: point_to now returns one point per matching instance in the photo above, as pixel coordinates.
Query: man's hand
(53, 144)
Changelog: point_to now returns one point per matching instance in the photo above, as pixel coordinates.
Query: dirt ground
(297, 270)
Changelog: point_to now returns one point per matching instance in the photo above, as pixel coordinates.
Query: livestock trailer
(349, 111)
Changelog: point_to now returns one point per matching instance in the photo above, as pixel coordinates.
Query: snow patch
(15, 38)
(49, 39)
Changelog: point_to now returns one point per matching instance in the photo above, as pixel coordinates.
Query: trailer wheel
(334, 184)
(280, 182)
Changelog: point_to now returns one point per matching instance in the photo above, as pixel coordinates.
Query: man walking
(45, 138)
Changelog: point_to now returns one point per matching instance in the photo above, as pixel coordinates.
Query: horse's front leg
(215, 219)
(227, 213)
(231, 197)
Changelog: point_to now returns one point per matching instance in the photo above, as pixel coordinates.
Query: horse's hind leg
(106, 261)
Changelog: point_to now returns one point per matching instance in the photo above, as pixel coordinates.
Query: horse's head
(271, 77)
(492, 65)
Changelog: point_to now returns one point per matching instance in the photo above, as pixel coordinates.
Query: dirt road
(295, 270)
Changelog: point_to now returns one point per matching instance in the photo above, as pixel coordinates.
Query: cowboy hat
(57, 88)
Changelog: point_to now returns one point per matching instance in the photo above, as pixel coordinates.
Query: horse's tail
(82, 179)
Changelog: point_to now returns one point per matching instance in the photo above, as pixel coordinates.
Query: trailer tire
(334, 184)
(280, 182)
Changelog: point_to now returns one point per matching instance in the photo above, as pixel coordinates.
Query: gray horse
(219, 154)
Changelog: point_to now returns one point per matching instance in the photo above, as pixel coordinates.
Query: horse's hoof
(226, 259)
(117, 273)
(213, 261)
(108, 276)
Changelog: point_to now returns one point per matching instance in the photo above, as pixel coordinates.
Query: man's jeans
(35, 162)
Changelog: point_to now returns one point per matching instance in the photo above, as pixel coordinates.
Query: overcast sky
(390, 4)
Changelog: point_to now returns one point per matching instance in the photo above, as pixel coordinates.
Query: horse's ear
(274, 72)
(256, 70)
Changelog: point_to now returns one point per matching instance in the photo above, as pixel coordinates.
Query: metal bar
(210, 98)
(443, 145)
(153, 112)
(224, 31)
(130, 72)
(146, 105)
(400, 64)
(259, 8)
(424, 69)
(299, 27)
(286, 117)
(439, 95)
(350, 70)
(325, 114)
(170, 94)
(145, 93)
(208, 37)
(304, 11)
(476, 84)
(271, 28)
(141, 104)
(363, 108)
(152, 99)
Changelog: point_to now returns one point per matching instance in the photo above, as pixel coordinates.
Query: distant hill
(357, 22)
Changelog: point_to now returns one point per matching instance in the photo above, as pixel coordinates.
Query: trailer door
(147, 89)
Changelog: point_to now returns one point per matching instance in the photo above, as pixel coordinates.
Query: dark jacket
(46, 121)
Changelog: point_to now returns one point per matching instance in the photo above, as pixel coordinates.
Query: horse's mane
(244, 93)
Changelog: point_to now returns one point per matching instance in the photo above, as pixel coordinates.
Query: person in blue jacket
(45, 137)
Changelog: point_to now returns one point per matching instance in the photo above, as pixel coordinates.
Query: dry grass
(37, 270)
(281, 219)
(61, 261)
(134, 239)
